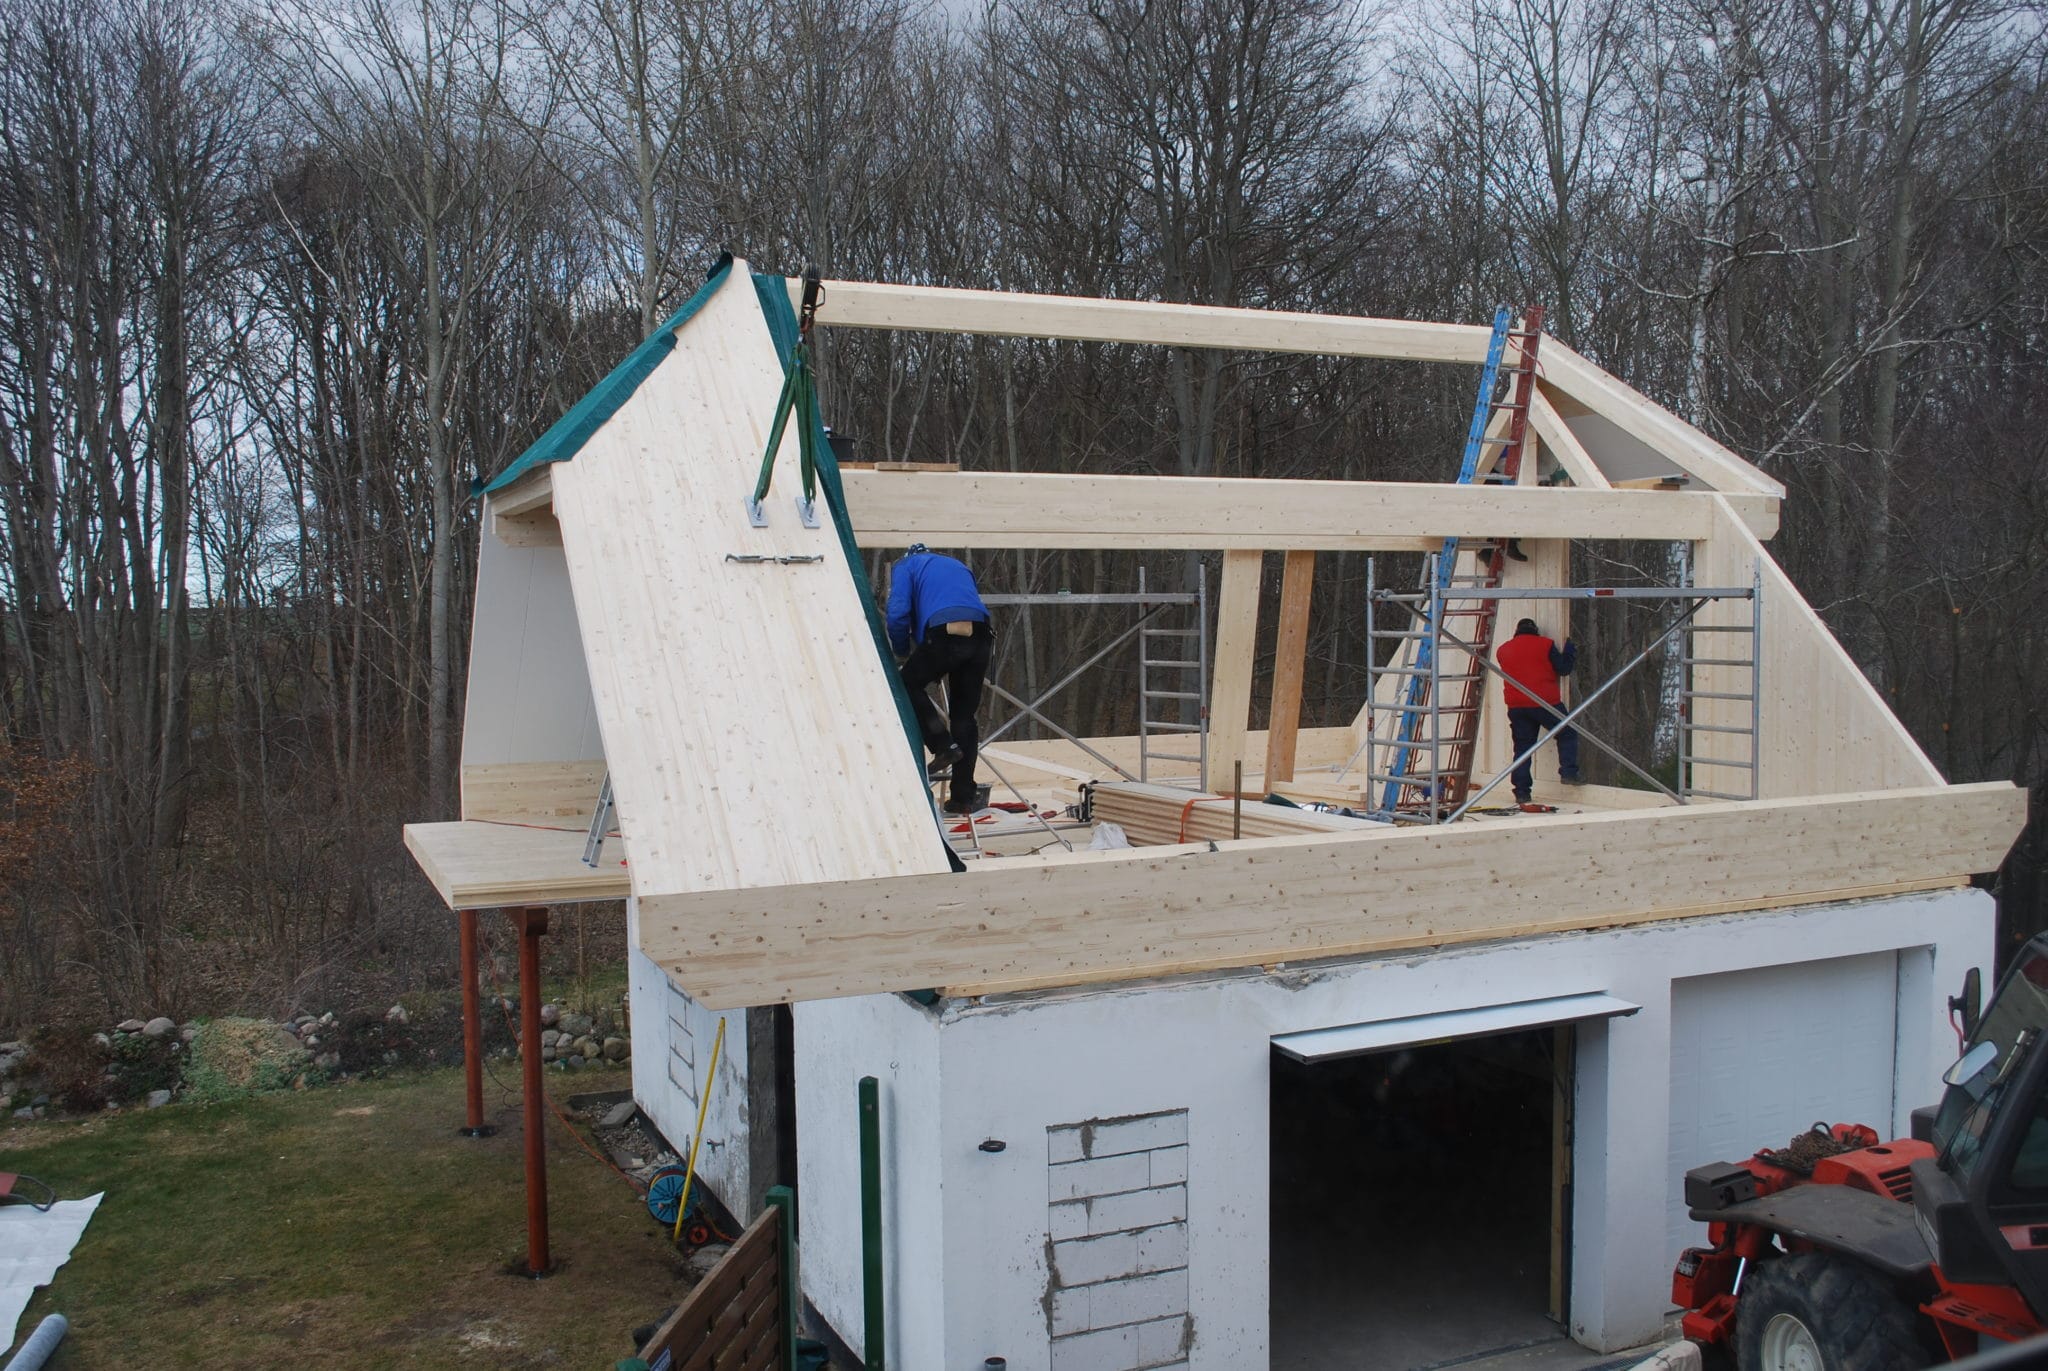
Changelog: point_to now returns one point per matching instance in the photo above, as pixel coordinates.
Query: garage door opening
(1420, 1201)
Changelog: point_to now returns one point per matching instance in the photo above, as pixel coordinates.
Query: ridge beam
(1045, 510)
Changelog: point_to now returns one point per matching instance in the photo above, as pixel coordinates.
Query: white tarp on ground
(33, 1244)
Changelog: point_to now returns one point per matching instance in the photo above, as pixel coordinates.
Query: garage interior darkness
(1419, 1202)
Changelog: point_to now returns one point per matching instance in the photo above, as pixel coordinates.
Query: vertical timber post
(873, 1334)
(783, 1199)
(472, 1033)
(533, 922)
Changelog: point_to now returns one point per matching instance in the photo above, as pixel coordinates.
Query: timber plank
(1162, 911)
(1230, 673)
(476, 864)
(872, 304)
(1290, 658)
(1051, 510)
(861, 304)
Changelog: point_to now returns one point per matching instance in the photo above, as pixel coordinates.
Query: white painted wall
(529, 692)
(672, 1039)
(1743, 1044)
(967, 1230)
(897, 1042)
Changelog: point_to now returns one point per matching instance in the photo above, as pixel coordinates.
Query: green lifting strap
(784, 328)
(799, 394)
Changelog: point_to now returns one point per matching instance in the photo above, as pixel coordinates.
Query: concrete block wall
(1140, 1236)
(1117, 1222)
(672, 1036)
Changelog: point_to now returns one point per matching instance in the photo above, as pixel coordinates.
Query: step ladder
(1439, 663)
(1173, 670)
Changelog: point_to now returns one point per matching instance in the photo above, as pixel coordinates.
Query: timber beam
(1163, 911)
(865, 304)
(1045, 510)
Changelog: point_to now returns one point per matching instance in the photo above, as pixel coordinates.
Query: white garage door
(1757, 1056)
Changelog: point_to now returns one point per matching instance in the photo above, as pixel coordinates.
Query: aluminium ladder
(1186, 682)
(1428, 766)
(1722, 720)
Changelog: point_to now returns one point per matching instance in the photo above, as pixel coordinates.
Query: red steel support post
(472, 1031)
(533, 922)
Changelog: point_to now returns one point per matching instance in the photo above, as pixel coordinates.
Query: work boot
(973, 804)
(1523, 797)
(1573, 779)
(942, 764)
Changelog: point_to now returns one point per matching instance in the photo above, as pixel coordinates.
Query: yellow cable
(697, 1138)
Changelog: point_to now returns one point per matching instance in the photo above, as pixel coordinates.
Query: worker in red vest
(1532, 664)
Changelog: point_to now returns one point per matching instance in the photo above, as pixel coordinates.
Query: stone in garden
(618, 1116)
(327, 1019)
(396, 1014)
(188, 1033)
(40, 1100)
(615, 1049)
(550, 1015)
(327, 1061)
(587, 1048)
(25, 1112)
(130, 1026)
(312, 1040)
(157, 1099)
(576, 1025)
(15, 1048)
(699, 1264)
(575, 1061)
(548, 1037)
(547, 1053)
(99, 1040)
(160, 1027)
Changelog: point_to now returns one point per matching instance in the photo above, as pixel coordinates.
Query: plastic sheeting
(33, 1244)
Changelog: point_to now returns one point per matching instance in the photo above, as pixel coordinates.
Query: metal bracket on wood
(806, 512)
(756, 514)
(600, 820)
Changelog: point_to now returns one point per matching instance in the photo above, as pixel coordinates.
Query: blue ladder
(1399, 775)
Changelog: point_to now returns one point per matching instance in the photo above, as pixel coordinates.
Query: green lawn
(343, 1226)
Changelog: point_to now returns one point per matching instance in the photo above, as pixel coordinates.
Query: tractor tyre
(1820, 1312)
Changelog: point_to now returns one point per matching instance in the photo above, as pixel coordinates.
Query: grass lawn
(343, 1226)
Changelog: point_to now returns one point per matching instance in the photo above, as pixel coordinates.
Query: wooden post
(472, 1032)
(533, 922)
(1290, 655)
(1237, 634)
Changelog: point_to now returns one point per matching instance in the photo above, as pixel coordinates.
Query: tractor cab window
(2030, 1163)
(2019, 1008)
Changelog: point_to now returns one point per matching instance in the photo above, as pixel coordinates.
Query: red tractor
(1844, 1252)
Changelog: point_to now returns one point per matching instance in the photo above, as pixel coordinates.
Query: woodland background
(277, 281)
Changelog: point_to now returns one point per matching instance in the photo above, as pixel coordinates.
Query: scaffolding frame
(1426, 610)
(1150, 606)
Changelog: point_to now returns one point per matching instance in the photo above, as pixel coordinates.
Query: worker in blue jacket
(940, 628)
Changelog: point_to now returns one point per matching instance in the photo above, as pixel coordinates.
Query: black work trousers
(962, 662)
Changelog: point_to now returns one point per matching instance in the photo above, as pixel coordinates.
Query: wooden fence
(742, 1316)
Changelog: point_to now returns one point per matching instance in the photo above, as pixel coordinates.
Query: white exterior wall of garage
(1752, 1026)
